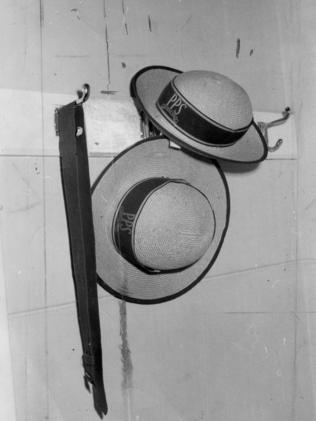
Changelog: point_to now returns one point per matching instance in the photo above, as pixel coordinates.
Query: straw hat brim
(146, 87)
(153, 158)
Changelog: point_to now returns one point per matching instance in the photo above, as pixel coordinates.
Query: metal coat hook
(265, 126)
(83, 94)
(147, 129)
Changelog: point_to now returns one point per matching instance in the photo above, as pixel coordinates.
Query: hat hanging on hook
(160, 218)
(203, 111)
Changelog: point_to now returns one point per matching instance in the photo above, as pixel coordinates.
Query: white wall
(306, 298)
(227, 350)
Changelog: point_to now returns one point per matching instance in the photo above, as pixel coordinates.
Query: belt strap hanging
(77, 196)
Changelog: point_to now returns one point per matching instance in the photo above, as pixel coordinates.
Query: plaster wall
(235, 347)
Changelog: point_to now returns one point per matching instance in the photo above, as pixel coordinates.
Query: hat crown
(174, 228)
(217, 97)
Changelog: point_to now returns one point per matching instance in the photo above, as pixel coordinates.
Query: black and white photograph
(157, 210)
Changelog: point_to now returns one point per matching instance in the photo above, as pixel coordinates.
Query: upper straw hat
(160, 216)
(203, 111)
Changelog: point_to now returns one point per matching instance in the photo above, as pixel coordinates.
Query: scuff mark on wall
(77, 12)
(107, 50)
(311, 204)
(251, 52)
(25, 208)
(25, 180)
(72, 55)
(149, 23)
(127, 366)
(41, 14)
(124, 17)
(107, 55)
(186, 22)
(237, 47)
(126, 359)
(104, 9)
(108, 92)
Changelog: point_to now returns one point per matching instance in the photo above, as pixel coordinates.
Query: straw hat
(203, 111)
(160, 217)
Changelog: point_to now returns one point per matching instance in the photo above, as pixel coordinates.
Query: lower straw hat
(160, 217)
(203, 111)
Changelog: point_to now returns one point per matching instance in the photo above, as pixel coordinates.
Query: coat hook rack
(265, 126)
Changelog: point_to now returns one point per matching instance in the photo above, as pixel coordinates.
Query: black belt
(77, 196)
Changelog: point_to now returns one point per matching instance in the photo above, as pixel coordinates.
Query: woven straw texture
(174, 228)
(217, 97)
(153, 158)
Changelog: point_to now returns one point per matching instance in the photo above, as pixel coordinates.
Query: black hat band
(183, 115)
(125, 218)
